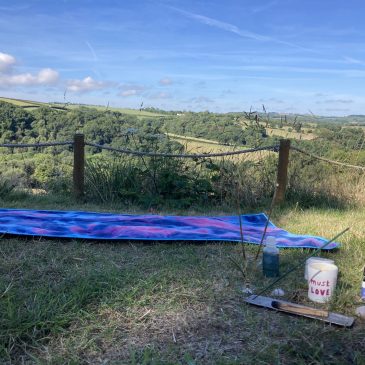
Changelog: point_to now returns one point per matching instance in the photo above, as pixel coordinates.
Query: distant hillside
(350, 119)
(27, 104)
(353, 119)
(29, 121)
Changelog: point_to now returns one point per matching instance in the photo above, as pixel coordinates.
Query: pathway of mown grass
(76, 302)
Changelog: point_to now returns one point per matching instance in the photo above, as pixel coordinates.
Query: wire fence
(273, 148)
(176, 155)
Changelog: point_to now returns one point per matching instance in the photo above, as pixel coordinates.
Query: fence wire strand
(327, 160)
(28, 145)
(202, 155)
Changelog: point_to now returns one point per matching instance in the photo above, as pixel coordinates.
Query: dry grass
(188, 138)
(293, 135)
(200, 145)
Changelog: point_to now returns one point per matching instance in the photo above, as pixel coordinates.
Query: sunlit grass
(283, 132)
(201, 145)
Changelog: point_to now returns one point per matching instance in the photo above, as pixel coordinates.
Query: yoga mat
(106, 226)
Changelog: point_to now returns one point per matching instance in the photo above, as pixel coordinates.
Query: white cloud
(9, 76)
(201, 99)
(166, 81)
(87, 84)
(6, 62)
(353, 61)
(131, 90)
(45, 76)
(161, 95)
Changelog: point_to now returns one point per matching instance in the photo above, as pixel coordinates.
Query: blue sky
(290, 55)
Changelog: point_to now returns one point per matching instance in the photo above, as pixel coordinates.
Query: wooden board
(301, 310)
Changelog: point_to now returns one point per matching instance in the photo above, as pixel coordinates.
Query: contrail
(234, 29)
(92, 51)
(95, 70)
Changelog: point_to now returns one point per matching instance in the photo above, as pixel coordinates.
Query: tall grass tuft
(112, 180)
(316, 183)
(180, 183)
(6, 188)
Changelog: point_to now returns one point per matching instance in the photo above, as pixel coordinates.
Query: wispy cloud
(348, 72)
(337, 110)
(14, 8)
(271, 100)
(131, 90)
(166, 81)
(234, 29)
(259, 9)
(339, 101)
(353, 61)
(201, 99)
(160, 95)
(335, 101)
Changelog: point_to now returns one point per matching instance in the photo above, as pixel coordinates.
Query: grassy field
(35, 104)
(201, 145)
(188, 138)
(78, 302)
(135, 112)
(22, 103)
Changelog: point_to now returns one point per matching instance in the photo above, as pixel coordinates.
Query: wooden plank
(298, 309)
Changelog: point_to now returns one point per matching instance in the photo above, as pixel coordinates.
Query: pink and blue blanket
(106, 226)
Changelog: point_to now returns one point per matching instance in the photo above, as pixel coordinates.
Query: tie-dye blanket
(106, 226)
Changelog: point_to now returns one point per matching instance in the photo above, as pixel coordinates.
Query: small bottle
(270, 258)
(362, 293)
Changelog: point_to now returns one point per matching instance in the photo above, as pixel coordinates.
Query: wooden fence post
(79, 166)
(282, 175)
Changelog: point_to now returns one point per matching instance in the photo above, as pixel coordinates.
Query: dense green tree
(15, 123)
